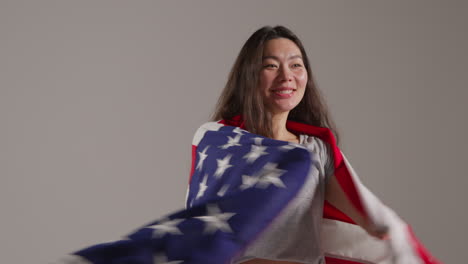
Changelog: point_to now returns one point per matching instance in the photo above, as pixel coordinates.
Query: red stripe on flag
(331, 212)
(422, 251)
(332, 260)
(342, 173)
(194, 157)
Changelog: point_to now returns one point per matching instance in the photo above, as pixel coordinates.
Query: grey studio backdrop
(99, 101)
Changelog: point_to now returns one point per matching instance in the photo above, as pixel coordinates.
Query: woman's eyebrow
(276, 58)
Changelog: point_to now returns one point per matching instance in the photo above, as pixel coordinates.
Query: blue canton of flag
(240, 183)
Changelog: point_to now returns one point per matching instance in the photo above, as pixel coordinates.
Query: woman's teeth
(284, 91)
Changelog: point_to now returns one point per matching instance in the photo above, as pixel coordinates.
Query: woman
(270, 83)
(270, 91)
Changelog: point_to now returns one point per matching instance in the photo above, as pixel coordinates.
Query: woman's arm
(335, 195)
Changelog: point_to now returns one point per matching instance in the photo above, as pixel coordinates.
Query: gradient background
(99, 101)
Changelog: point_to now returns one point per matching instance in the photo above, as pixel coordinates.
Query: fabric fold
(239, 184)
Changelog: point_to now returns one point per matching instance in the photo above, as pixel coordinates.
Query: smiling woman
(283, 77)
(271, 80)
(270, 92)
(270, 85)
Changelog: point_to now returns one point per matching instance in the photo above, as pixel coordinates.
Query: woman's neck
(278, 128)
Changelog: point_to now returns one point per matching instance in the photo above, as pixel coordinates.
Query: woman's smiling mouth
(283, 92)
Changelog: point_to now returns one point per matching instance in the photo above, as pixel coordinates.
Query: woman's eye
(270, 66)
(297, 65)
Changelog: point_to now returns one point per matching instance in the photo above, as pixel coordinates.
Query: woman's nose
(285, 74)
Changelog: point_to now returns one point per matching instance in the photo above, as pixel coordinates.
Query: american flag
(239, 183)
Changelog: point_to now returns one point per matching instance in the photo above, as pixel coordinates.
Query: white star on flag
(270, 175)
(161, 258)
(223, 164)
(165, 227)
(238, 130)
(202, 187)
(255, 153)
(216, 220)
(223, 190)
(202, 158)
(232, 142)
(258, 141)
(248, 181)
(286, 147)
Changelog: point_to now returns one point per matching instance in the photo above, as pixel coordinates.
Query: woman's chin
(281, 109)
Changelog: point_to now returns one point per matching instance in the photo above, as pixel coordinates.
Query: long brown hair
(241, 95)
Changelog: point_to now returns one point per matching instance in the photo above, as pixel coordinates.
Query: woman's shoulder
(213, 126)
(311, 141)
(203, 128)
(314, 144)
(321, 148)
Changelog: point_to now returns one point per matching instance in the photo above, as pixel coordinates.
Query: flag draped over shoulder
(239, 183)
(344, 242)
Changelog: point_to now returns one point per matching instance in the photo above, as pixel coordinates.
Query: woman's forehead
(281, 48)
(291, 57)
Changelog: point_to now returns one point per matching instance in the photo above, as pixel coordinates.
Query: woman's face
(283, 77)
